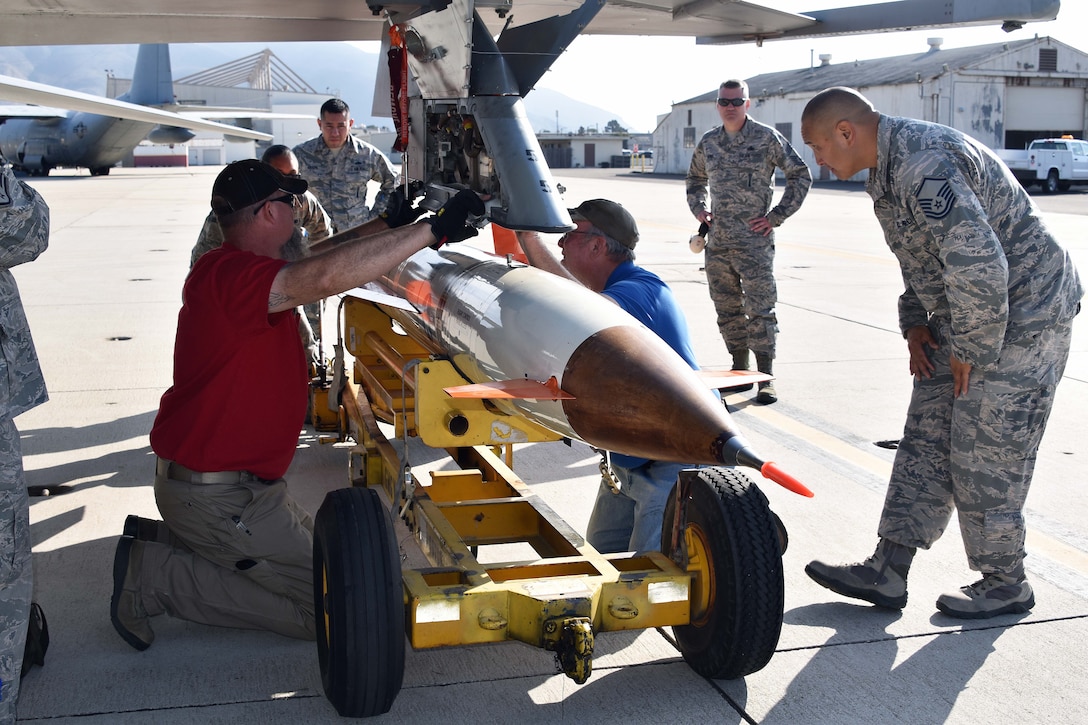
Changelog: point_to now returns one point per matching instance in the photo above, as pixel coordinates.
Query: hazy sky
(641, 77)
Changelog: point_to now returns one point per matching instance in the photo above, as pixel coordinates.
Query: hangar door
(1033, 112)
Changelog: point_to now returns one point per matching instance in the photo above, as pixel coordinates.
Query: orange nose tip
(771, 471)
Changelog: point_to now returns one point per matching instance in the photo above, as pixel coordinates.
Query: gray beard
(295, 248)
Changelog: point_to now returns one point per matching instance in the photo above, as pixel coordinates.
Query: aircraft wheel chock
(359, 603)
(734, 549)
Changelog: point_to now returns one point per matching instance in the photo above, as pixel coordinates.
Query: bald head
(833, 104)
(840, 126)
(282, 159)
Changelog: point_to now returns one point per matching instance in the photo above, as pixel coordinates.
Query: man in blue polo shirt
(600, 254)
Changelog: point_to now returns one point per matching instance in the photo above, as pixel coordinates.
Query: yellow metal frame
(555, 600)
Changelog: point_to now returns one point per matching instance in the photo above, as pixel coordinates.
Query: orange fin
(506, 242)
(511, 390)
(721, 379)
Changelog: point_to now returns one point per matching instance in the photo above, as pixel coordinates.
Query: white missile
(568, 359)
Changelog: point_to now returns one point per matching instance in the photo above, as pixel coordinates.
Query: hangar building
(1005, 95)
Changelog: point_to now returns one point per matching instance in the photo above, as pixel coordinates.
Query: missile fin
(511, 390)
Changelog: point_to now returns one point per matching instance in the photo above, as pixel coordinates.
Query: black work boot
(766, 394)
(881, 579)
(130, 619)
(740, 362)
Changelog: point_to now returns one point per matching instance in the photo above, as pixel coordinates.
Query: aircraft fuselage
(82, 140)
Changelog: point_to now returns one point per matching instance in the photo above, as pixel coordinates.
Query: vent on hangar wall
(1048, 60)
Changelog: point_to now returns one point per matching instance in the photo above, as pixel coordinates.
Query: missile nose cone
(633, 394)
(736, 449)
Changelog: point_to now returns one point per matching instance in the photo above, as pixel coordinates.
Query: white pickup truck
(1053, 163)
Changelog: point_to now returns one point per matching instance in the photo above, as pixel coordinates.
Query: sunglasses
(732, 101)
(584, 232)
(288, 199)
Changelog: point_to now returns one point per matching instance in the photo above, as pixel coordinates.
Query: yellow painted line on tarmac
(1042, 545)
(823, 441)
(1038, 544)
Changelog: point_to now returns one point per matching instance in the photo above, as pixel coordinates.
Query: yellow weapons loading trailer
(718, 582)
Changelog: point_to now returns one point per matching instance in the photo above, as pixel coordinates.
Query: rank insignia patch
(935, 197)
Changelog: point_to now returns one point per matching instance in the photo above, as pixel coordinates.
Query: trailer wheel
(734, 551)
(359, 603)
(1050, 186)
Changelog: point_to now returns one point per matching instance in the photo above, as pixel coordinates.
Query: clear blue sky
(641, 77)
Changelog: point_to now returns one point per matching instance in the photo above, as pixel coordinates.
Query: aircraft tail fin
(152, 80)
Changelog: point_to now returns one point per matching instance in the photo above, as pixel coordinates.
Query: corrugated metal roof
(868, 73)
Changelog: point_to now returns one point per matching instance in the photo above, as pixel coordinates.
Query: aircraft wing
(39, 113)
(75, 22)
(242, 113)
(16, 89)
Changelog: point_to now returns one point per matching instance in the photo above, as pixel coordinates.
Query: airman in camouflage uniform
(24, 234)
(987, 312)
(338, 166)
(310, 216)
(737, 161)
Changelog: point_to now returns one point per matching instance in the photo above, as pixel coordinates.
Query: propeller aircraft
(95, 132)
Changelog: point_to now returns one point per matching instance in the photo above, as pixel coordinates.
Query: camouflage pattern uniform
(997, 291)
(339, 178)
(24, 234)
(740, 262)
(309, 214)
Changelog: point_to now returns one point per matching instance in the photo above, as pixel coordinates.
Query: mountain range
(339, 69)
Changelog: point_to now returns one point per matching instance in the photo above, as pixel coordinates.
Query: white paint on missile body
(503, 320)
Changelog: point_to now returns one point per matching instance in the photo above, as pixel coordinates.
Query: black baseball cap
(247, 182)
(610, 218)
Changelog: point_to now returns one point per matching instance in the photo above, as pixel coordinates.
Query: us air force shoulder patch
(935, 197)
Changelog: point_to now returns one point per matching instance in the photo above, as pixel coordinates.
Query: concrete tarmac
(103, 303)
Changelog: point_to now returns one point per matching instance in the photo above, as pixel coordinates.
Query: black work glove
(399, 210)
(703, 229)
(450, 223)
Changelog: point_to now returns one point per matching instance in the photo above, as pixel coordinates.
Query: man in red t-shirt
(236, 550)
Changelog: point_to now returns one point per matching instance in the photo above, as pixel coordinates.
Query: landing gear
(718, 526)
(359, 603)
(100, 171)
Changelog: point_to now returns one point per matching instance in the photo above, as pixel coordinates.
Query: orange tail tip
(771, 470)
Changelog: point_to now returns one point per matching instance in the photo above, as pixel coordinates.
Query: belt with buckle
(178, 472)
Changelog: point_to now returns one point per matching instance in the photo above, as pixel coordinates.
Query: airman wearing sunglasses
(736, 162)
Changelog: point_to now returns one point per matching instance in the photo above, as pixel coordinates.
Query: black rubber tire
(359, 603)
(739, 629)
(1050, 186)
